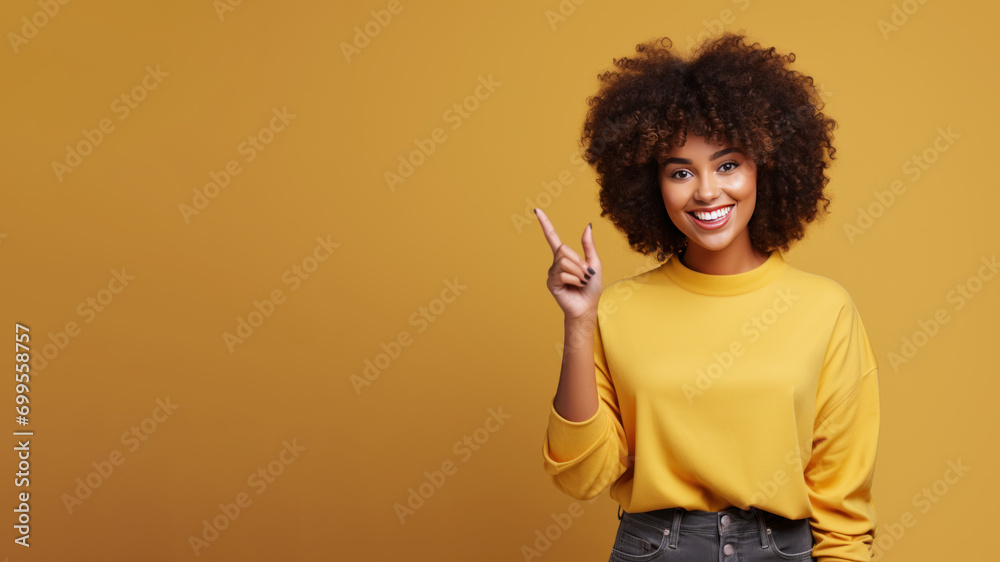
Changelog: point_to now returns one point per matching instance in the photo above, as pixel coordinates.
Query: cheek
(745, 188)
(749, 204)
(673, 200)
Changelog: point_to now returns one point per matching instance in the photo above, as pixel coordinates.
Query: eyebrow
(715, 156)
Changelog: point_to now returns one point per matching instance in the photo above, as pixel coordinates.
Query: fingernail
(586, 276)
(590, 225)
(536, 211)
(591, 270)
(584, 282)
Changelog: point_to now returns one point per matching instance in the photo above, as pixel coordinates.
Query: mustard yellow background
(439, 278)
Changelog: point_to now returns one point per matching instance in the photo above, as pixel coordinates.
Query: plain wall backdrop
(250, 341)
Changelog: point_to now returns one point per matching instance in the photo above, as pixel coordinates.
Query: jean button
(725, 520)
(727, 550)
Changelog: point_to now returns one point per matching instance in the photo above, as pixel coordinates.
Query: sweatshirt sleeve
(845, 439)
(585, 457)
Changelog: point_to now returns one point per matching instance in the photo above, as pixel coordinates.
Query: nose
(708, 189)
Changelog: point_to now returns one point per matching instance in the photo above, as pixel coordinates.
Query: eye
(674, 175)
(733, 162)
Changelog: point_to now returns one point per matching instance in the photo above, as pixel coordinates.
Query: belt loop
(763, 527)
(675, 527)
(619, 512)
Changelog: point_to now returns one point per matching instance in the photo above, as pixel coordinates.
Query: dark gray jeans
(731, 535)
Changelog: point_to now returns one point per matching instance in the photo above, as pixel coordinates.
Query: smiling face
(710, 191)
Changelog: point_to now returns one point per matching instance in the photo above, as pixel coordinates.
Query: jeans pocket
(637, 540)
(792, 540)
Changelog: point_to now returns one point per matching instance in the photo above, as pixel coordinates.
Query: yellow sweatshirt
(759, 388)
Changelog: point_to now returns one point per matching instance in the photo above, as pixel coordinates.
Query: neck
(738, 257)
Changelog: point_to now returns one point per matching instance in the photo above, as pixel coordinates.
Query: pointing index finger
(548, 230)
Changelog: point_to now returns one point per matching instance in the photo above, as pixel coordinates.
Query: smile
(713, 219)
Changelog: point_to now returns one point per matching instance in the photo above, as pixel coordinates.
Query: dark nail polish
(536, 211)
(586, 276)
(591, 270)
(584, 282)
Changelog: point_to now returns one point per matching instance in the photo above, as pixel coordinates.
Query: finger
(572, 256)
(589, 250)
(548, 230)
(570, 279)
(567, 264)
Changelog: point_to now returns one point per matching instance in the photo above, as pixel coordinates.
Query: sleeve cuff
(569, 440)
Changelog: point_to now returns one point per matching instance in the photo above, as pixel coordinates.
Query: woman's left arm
(845, 440)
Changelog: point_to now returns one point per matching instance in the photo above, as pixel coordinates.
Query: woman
(728, 399)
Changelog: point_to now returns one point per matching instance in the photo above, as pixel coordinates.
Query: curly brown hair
(729, 90)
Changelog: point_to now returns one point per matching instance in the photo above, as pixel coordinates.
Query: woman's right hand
(575, 283)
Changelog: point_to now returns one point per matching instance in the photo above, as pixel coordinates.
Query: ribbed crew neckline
(725, 285)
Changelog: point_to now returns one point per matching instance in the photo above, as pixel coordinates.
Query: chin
(716, 247)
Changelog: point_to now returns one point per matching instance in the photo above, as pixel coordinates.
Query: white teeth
(717, 214)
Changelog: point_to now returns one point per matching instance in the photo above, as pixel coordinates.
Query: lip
(716, 224)
(710, 209)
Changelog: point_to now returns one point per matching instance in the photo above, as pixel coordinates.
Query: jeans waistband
(731, 521)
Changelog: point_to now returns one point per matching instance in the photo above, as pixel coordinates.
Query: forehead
(697, 143)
